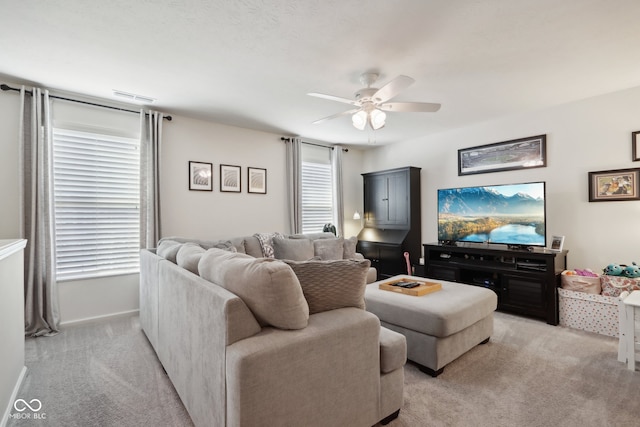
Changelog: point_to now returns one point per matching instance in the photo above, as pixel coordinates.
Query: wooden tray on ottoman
(423, 289)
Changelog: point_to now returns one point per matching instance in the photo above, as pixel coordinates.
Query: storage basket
(576, 283)
(613, 286)
(587, 312)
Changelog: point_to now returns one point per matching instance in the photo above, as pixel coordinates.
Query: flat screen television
(511, 214)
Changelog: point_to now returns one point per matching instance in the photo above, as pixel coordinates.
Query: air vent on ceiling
(133, 97)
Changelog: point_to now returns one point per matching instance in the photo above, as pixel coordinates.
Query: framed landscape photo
(230, 178)
(200, 176)
(504, 156)
(635, 146)
(614, 185)
(257, 179)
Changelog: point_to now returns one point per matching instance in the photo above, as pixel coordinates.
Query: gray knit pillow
(328, 285)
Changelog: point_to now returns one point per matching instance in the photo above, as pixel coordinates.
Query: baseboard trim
(96, 318)
(14, 394)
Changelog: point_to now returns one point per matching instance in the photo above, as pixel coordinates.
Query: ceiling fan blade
(344, 113)
(333, 98)
(409, 107)
(392, 88)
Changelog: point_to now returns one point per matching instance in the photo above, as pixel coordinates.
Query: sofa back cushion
(267, 286)
(329, 249)
(293, 249)
(328, 285)
(350, 247)
(168, 249)
(189, 256)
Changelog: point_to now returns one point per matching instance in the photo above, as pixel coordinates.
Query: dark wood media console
(525, 281)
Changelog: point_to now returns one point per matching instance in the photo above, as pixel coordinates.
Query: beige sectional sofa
(251, 341)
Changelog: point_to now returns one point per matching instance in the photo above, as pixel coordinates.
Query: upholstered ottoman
(440, 326)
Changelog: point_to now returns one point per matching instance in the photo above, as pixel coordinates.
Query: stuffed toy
(614, 269)
(631, 271)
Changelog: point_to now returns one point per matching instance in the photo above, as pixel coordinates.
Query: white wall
(352, 190)
(214, 214)
(589, 135)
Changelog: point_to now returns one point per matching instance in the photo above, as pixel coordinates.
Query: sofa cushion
(268, 287)
(168, 249)
(350, 247)
(266, 242)
(314, 236)
(252, 246)
(329, 249)
(328, 285)
(189, 256)
(293, 249)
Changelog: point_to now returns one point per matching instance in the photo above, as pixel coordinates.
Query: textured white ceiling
(250, 63)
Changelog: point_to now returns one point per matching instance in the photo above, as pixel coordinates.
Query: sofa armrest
(325, 374)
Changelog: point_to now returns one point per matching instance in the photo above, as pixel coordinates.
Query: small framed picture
(635, 146)
(230, 178)
(257, 179)
(557, 242)
(614, 185)
(200, 178)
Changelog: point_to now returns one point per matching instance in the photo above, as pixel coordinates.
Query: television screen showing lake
(513, 233)
(512, 214)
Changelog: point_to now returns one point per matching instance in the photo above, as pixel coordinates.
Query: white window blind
(96, 199)
(317, 188)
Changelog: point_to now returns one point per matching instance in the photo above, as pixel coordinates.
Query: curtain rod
(311, 143)
(5, 88)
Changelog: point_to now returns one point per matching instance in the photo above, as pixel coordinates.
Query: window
(96, 181)
(317, 188)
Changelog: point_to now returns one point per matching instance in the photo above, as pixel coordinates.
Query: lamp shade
(359, 120)
(356, 215)
(377, 118)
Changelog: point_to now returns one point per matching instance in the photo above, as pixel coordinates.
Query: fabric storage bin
(588, 312)
(586, 284)
(613, 286)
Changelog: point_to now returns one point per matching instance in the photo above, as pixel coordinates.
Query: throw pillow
(328, 249)
(189, 256)
(350, 247)
(328, 285)
(266, 242)
(294, 249)
(268, 287)
(168, 249)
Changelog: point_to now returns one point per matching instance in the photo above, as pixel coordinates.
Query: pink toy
(406, 257)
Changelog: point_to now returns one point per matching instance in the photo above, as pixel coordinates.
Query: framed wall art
(504, 156)
(257, 179)
(635, 146)
(230, 179)
(557, 242)
(200, 176)
(614, 185)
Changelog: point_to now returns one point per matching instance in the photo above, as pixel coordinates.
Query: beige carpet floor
(529, 374)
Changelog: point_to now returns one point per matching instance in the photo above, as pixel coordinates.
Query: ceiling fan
(371, 103)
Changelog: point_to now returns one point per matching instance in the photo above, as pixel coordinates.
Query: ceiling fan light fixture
(359, 120)
(377, 119)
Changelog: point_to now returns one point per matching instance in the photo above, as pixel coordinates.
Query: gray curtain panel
(41, 311)
(150, 147)
(338, 202)
(294, 184)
